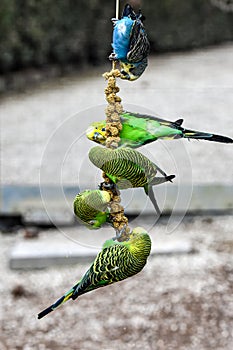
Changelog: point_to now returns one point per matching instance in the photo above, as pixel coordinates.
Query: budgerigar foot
(112, 57)
(121, 232)
(109, 187)
(114, 20)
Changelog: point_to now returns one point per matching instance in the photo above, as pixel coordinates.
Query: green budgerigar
(91, 208)
(116, 262)
(140, 129)
(128, 168)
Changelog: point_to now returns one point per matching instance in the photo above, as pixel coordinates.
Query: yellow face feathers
(126, 71)
(97, 132)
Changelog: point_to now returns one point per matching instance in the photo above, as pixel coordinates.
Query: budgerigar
(128, 168)
(116, 262)
(140, 129)
(130, 44)
(90, 207)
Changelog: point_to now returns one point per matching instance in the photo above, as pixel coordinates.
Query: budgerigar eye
(103, 129)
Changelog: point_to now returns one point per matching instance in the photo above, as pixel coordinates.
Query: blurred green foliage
(185, 24)
(35, 33)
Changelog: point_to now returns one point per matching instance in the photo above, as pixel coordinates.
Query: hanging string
(117, 8)
(117, 17)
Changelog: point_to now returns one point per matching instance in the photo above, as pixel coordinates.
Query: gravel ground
(177, 302)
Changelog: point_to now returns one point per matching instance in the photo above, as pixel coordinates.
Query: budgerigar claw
(109, 187)
(114, 20)
(106, 185)
(120, 232)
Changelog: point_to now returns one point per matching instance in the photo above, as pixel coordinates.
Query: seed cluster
(113, 109)
(113, 129)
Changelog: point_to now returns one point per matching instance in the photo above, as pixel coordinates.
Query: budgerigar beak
(96, 135)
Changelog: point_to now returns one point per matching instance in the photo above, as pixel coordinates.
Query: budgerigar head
(137, 232)
(97, 223)
(90, 208)
(132, 71)
(140, 241)
(97, 132)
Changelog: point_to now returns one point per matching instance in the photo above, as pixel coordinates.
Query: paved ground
(47, 125)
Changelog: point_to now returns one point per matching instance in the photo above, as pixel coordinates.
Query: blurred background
(53, 37)
(52, 57)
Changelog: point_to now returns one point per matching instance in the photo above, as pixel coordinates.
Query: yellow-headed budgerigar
(140, 129)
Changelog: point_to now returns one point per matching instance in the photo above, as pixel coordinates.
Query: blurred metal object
(224, 5)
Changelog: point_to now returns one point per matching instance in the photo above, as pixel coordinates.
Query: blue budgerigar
(130, 44)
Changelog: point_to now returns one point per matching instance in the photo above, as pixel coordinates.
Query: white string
(117, 8)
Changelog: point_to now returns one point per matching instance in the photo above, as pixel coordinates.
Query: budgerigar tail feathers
(153, 200)
(159, 180)
(170, 177)
(129, 12)
(161, 171)
(192, 134)
(149, 190)
(58, 303)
